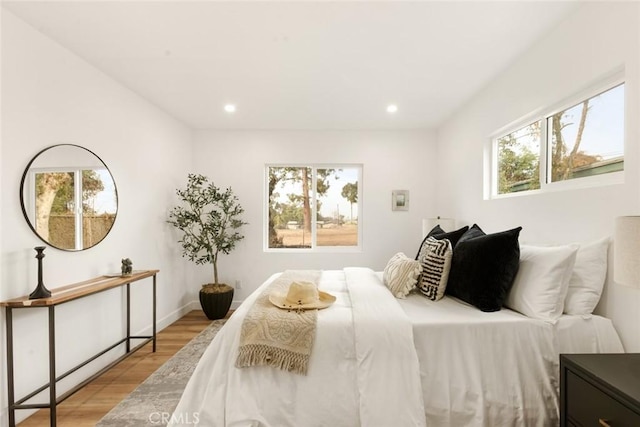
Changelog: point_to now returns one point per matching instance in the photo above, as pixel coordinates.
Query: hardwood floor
(86, 407)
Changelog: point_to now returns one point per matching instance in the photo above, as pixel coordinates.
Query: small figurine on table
(127, 267)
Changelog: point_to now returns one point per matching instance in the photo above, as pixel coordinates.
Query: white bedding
(379, 361)
(501, 368)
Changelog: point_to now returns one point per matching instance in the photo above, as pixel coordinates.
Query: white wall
(391, 161)
(50, 96)
(592, 42)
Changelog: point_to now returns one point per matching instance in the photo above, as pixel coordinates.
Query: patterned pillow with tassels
(435, 261)
(401, 275)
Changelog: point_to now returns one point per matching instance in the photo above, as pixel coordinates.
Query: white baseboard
(177, 314)
(170, 318)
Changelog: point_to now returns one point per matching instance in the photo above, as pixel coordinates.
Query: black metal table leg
(128, 344)
(154, 313)
(52, 365)
(10, 385)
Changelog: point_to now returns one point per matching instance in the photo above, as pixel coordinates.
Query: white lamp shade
(447, 224)
(626, 246)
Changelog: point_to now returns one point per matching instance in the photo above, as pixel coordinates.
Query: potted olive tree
(209, 220)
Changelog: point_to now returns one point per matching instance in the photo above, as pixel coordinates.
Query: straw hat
(302, 296)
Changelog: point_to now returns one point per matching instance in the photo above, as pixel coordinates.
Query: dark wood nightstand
(600, 390)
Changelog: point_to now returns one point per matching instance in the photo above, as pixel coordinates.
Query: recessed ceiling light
(392, 108)
(230, 108)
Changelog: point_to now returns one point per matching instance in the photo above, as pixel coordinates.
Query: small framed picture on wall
(400, 200)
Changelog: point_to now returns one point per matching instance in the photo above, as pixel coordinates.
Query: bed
(382, 361)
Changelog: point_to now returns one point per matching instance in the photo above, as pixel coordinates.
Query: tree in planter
(209, 220)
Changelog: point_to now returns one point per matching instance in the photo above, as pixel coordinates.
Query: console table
(61, 296)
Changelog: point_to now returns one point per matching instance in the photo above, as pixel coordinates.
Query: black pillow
(435, 230)
(452, 236)
(472, 233)
(439, 234)
(484, 267)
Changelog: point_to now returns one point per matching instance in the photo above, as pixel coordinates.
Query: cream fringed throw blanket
(275, 337)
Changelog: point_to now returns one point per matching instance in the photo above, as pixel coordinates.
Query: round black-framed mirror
(69, 197)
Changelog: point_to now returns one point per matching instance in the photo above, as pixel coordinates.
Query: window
(519, 159)
(584, 139)
(72, 209)
(313, 207)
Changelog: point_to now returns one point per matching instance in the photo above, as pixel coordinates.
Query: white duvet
(379, 361)
(363, 368)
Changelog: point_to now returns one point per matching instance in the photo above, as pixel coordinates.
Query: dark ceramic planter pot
(216, 300)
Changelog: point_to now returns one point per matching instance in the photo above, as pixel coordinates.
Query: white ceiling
(298, 64)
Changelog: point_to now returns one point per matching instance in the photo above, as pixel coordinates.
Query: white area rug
(152, 403)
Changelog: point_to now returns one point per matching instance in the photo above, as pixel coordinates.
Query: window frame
(603, 85)
(313, 201)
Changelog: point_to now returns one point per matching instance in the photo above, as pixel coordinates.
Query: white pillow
(401, 275)
(587, 280)
(541, 285)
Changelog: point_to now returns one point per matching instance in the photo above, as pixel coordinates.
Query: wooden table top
(78, 290)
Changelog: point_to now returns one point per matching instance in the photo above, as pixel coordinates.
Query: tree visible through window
(586, 139)
(519, 160)
(312, 206)
(68, 209)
